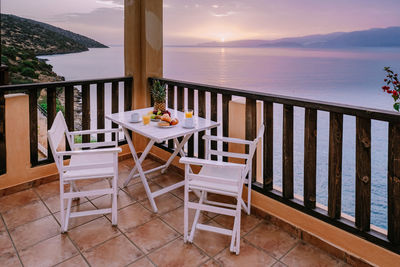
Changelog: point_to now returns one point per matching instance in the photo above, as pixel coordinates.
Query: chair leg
(196, 218)
(62, 214)
(235, 241)
(185, 215)
(114, 209)
(249, 196)
(238, 214)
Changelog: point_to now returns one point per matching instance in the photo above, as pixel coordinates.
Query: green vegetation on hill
(24, 39)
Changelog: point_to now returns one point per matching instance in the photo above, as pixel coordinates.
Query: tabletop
(156, 133)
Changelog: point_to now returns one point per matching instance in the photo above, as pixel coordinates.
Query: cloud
(226, 14)
(111, 3)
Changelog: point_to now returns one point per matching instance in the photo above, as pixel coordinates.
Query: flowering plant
(392, 87)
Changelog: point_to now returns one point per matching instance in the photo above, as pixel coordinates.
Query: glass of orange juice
(189, 113)
(146, 119)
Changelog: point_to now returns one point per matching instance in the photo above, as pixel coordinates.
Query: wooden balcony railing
(68, 87)
(185, 91)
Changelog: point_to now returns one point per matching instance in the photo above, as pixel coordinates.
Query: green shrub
(29, 72)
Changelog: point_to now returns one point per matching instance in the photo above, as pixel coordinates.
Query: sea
(347, 76)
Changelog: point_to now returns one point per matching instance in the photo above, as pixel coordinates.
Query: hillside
(24, 39)
(382, 37)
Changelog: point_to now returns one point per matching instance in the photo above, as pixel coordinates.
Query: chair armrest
(93, 151)
(95, 131)
(204, 162)
(227, 139)
(96, 144)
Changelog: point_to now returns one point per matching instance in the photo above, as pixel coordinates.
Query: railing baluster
(128, 95)
(201, 113)
(51, 115)
(180, 98)
(190, 92)
(268, 145)
(33, 125)
(394, 184)
(251, 130)
(225, 121)
(86, 111)
(287, 152)
(69, 107)
(363, 173)
(100, 110)
(3, 153)
(171, 101)
(310, 158)
(335, 165)
(69, 110)
(114, 104)
(214, 117)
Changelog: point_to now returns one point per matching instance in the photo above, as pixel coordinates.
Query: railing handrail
(364, 112)
(28, 86)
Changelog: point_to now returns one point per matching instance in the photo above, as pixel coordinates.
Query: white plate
(130, 121)
(171, 126)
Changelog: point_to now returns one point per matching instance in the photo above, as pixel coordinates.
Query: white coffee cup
(189, 122)
(135, 117)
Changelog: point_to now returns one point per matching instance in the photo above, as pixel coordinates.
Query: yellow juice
(188, 114)
(146, 119)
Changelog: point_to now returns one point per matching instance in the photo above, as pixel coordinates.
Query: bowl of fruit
(167, 122)
(157, 114)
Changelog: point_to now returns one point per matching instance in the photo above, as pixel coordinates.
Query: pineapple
(159, 94)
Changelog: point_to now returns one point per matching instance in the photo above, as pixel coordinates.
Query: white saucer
(140, 120)
(186, 127)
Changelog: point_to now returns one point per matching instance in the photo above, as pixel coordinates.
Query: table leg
(140, 170)
(178, 149)
(141, 159)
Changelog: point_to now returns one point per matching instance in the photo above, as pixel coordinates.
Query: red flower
(384, 88)
(395, 93)
(389, 91)
(395, 82)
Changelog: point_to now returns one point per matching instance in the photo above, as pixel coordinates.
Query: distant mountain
(24, 39)
(382, 37)
(42, 38)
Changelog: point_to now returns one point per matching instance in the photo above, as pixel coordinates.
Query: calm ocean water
(343, 76)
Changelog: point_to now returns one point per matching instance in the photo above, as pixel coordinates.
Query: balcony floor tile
(10, 259)
(152, 235)
(177, 253)
(118, 251)
(143, 262)
(76, 261)
(272, 239)
(17, 200)
(249, 256)
(307, 255)
(93, 233)
(6, 245)
(49, 252)
(25, 214)
(31, 233)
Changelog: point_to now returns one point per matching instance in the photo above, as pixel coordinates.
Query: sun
(222, 39)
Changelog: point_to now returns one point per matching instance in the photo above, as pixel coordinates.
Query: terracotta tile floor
(30, 232)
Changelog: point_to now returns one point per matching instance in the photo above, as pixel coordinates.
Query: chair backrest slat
(57, 132)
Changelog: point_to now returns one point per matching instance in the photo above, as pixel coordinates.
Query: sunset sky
(194, 21)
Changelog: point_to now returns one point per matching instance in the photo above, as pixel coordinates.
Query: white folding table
(157, 135)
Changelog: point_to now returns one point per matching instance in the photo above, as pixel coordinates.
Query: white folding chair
(84, 164)
(224, 178)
